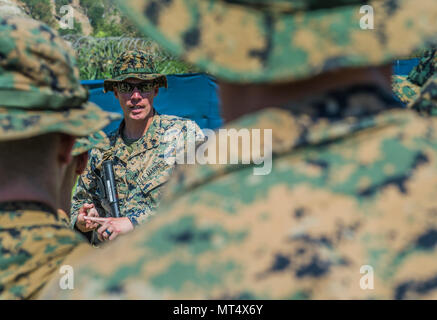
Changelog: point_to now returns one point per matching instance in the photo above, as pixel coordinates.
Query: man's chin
(138, 117)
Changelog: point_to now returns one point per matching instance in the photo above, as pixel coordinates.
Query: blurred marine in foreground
(349, 209)
(43, 109)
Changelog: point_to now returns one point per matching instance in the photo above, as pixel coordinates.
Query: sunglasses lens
(125, 87)
(145, 87)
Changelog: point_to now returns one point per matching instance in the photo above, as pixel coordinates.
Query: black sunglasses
(126, 87)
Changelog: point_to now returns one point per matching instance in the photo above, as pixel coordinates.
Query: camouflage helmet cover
(283, 40)
(94, 140)
(135, 64)
(40, 91)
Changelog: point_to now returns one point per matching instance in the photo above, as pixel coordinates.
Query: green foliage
(109, 29)
(173, 67)
(60, 3)
(41, 10)
(97, 55)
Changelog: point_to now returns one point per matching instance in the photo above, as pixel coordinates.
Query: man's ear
(115, 91)
(156, 91)
(65, 147)
(81, 163)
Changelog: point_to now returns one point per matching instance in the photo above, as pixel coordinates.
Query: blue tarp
(192, 96)
(403, 67)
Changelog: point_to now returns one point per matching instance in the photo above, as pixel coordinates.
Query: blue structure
(192, 96)
(403, 67)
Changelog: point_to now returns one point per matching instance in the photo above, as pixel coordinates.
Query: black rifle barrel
(110, 187)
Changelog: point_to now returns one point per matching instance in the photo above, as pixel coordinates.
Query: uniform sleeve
(142, 208)
(200, 136)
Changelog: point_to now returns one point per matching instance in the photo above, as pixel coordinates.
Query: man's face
(136, 104)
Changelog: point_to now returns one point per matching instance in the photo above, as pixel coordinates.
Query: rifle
(108, 189)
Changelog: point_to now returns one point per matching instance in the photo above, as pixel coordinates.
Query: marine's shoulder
(96, 153)
(171, 121)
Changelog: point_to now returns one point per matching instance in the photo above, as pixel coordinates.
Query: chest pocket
(155, 176)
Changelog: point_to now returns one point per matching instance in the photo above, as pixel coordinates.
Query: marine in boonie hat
(135, 64)
(408, 88)
(40, 91)
(272, 41)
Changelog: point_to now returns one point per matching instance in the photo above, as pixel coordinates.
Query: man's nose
(136, 94)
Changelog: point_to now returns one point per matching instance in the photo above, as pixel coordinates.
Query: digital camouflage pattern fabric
(353, 177)
(40, 93)
(34, 241)
(40, 90)
(425, 69)
(426, 102)
(350, 187)
(406, 91)
(135, 64)
(263, 40)
(94, 140)
(141, 169)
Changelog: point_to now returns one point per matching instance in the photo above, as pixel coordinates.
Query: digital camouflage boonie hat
(406, 91)
(284, 40)
(40, 90)
(94, 140)
(134, 64)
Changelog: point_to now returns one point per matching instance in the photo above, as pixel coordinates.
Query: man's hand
(111, 227)
(87, 210)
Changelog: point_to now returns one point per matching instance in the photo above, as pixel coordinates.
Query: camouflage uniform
(34, 242)
(425, 69)
(40, 93)
(141, 169)
(353, 178)
(408, 88)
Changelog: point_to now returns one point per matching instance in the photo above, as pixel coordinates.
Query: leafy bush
(60, 3)
(41, 10)
(97, 55)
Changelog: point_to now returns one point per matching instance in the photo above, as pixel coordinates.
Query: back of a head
(27, 159)
(40, 97)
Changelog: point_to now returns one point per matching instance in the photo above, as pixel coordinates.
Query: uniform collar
(318, 120)
(148, 141)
